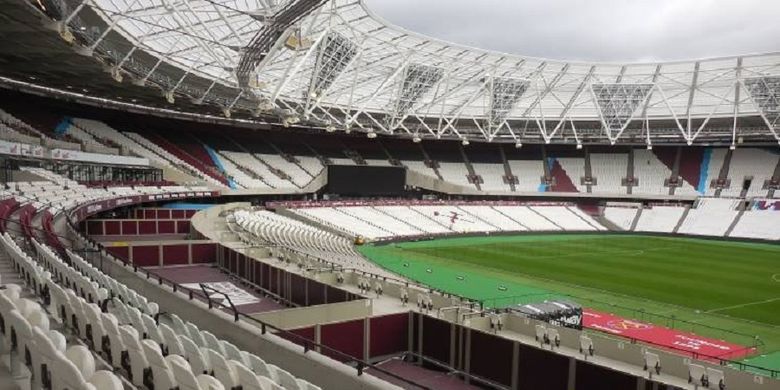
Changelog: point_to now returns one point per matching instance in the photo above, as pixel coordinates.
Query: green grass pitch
(722, 289)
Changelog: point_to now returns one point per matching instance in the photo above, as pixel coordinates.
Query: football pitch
(720, 289)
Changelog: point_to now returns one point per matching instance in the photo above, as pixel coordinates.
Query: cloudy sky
(599, 30)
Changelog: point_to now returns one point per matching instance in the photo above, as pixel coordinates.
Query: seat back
(82, 358)
(171, 340)
(105, 380)
(233, 353)
(208, 382)
(20, 332)
(162, 373)
(59, 300)
(285, 379)
(94, 319)
(44, 350)
(195, 335)
(269, 384)
(68, 375)
(247, 378)
(152, 332)
(112, 342)
(222, 370)
(6, 305)
(260, 368)
(184, 376)
(136, 363)
(307, 386)
(198, 361)
(212, 342)
(178, 325)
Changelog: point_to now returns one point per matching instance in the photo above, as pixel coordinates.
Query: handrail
(206, 290)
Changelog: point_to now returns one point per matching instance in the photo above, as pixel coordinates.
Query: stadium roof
(336, 65)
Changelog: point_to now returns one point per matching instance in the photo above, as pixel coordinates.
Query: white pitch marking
(743, 305)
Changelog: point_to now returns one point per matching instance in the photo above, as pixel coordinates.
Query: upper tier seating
(651, 173)
(717, 158)
(273, 159)
(147, 144)
(574, 168)
(91, 144)
(455, 172)
(609, 170)
(419, 167)
(251, 163)
(240, 177)
(756, 163)
(297, 175)
(528, 173)
(492, 177)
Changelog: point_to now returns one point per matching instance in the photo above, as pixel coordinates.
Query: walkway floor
(195, 274)
(429, 378)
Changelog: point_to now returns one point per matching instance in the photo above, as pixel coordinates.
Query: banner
(19, 149)
(75, 155)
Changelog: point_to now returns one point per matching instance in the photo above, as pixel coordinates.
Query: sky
(596, 30)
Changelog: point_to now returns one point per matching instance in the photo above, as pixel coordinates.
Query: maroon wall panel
(242, 266)
(273, 280)
(204, 253)
(256, 273)
(345, 337)
(94, 227)
(539, 369)
(232, 261)
(129, 227)
(491, 357)
(298, 289)
(283, 282)
(166, 227)
(150, 214)
(265, 281)
(178, 214)
(111, 227)
(163, 214)
(336, 295)
(306, 333)
(590, 377)
(183, 226)
(146, 256)
(121, 252)
(416, 318)
(175, 254)
(147, 227)
(436, 339)
(389, 334)
(189, 213)
(316, 292)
